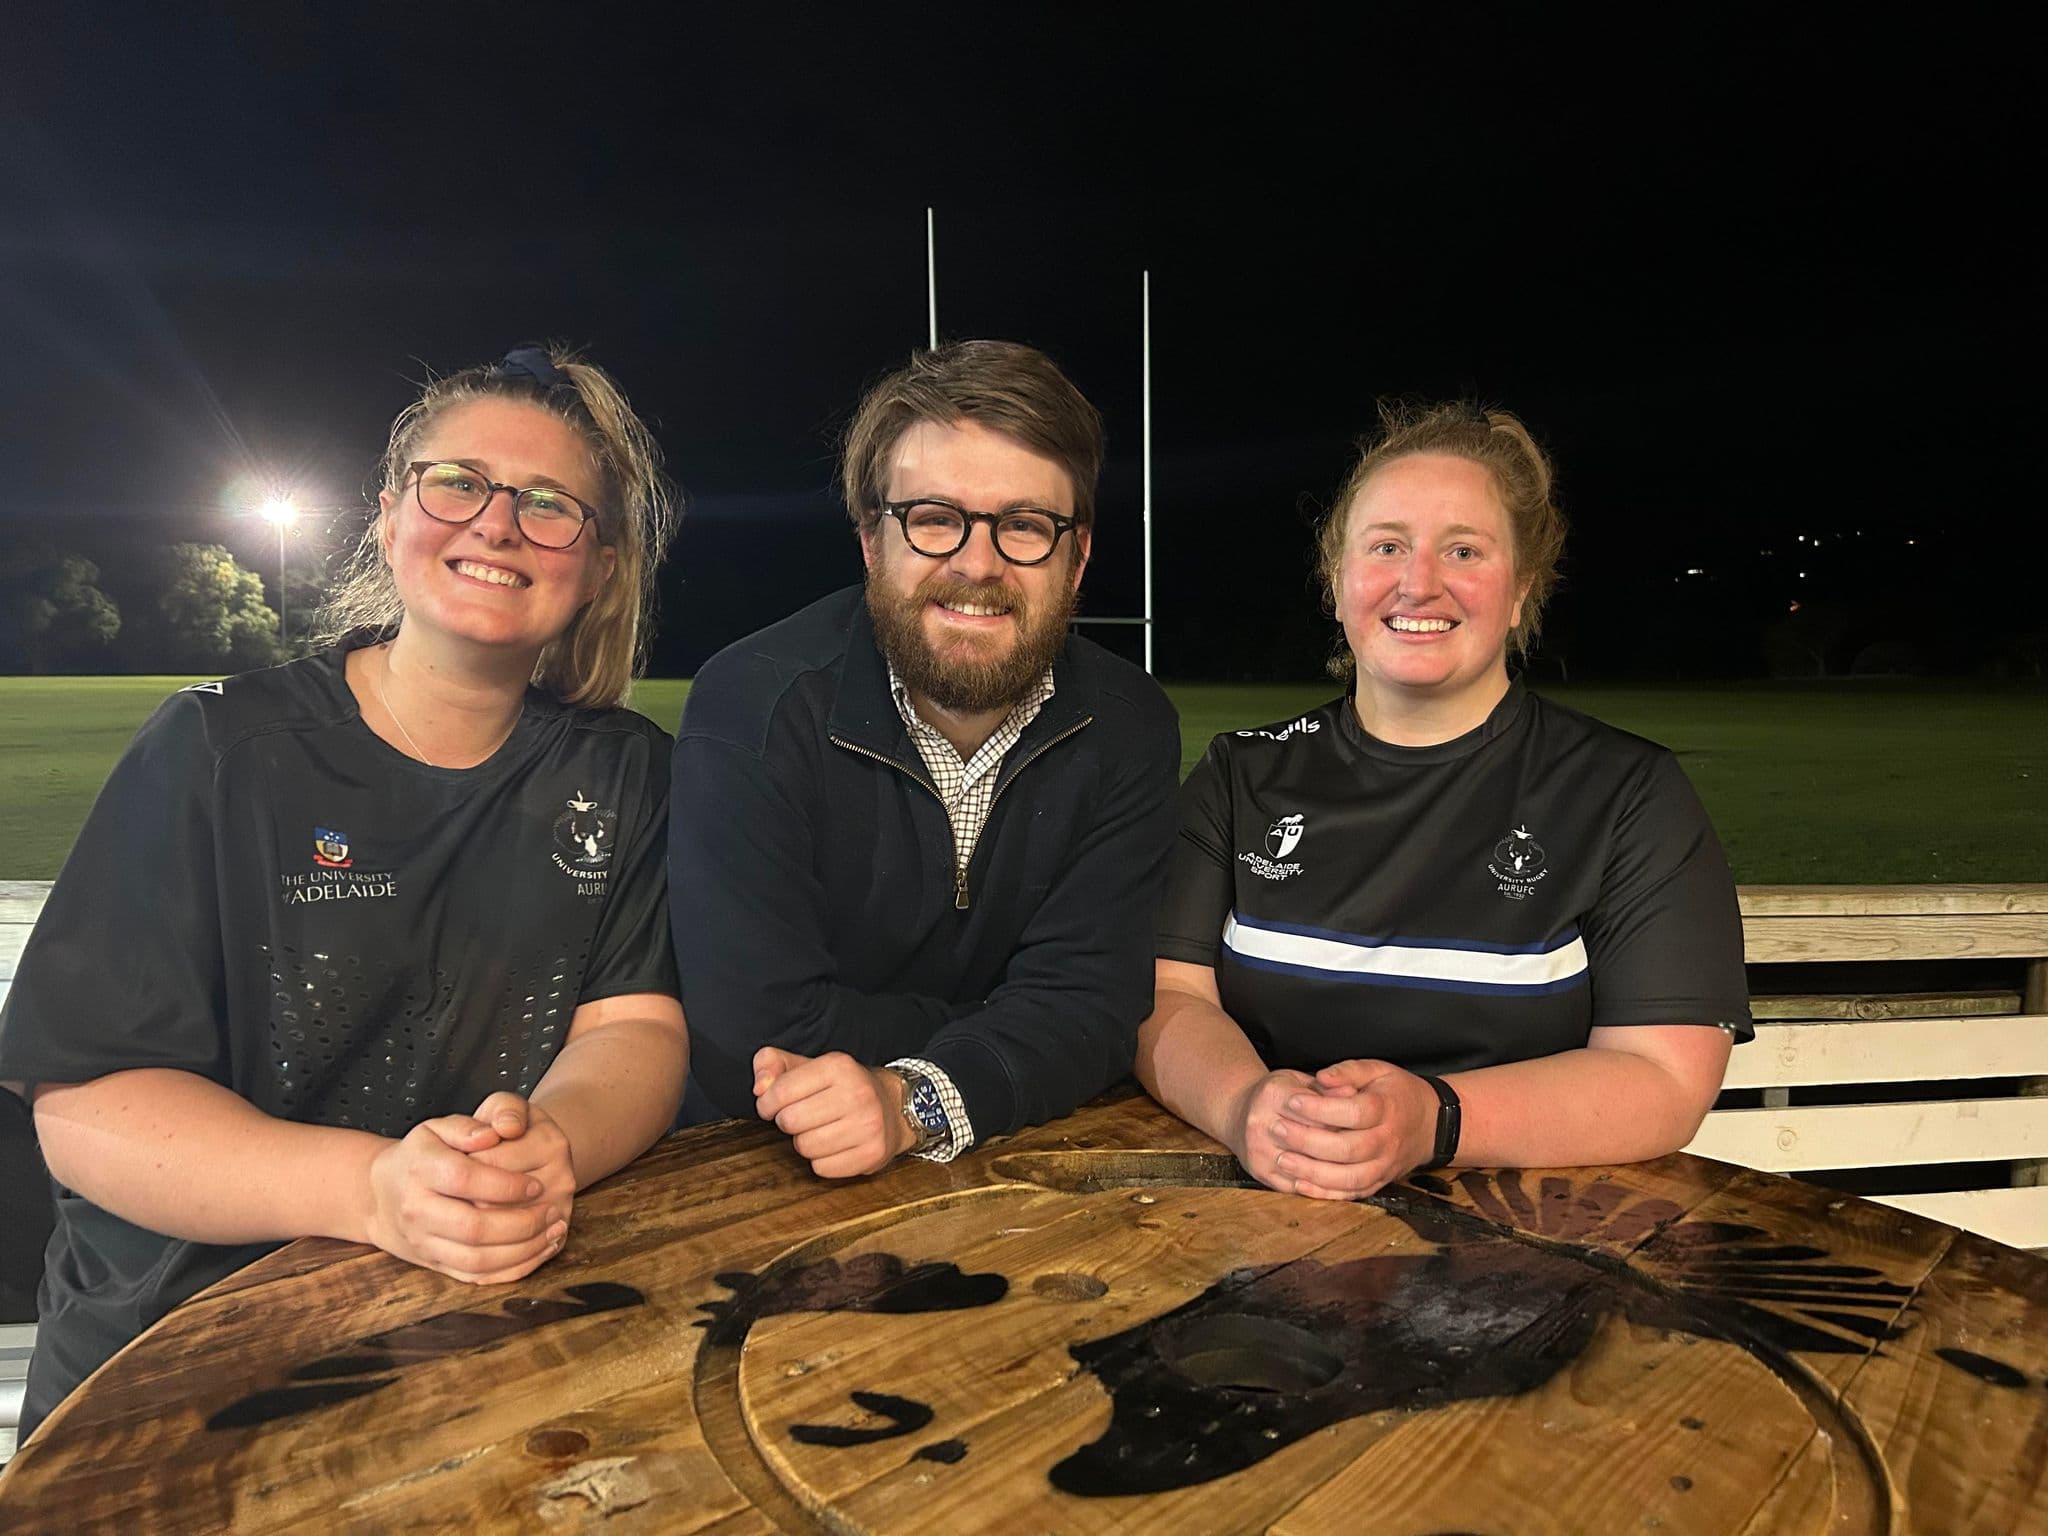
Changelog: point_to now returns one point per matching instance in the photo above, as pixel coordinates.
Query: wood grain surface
(1096, 1326)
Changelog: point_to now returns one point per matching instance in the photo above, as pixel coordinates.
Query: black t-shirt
(267, 895)
(1487, 899)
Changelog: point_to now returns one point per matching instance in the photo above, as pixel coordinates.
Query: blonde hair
(1522, 476)
(594, 661)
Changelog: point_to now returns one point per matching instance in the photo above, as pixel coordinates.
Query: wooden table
(1094, 1326)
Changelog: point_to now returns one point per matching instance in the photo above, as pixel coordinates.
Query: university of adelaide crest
(334, 876)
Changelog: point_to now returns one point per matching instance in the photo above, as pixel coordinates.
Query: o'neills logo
(1303, 726)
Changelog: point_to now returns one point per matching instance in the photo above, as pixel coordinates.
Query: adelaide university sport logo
(1283, 835)
(1282, 838)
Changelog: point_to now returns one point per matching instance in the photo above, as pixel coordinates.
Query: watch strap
(937, 1103)
(921, 1134)
(923, 1108)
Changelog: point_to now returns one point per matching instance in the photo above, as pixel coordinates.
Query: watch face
(926, 1108)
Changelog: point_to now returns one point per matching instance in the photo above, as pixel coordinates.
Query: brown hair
(1522, 476)
(1002, 385)
(594, 661)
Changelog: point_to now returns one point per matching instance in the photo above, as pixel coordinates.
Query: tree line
(177, 608)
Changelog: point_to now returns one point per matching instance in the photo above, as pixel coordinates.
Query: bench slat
(17, 1343)
(1875, 1135)
(2018, 1217)
(1891, 1051)
(21, 900)
(13, 939)
(1899, 900)
(2007, 936)
(1880, 1005)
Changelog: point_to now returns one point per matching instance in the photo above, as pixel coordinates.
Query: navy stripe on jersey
(1556, 965)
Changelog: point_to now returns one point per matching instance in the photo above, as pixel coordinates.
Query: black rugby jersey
(268, 895)
(1487, 899)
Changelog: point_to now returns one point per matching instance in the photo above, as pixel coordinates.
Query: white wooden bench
(1993, 1036)
(20, 901)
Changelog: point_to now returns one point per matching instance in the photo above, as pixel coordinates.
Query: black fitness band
(1450, 1121)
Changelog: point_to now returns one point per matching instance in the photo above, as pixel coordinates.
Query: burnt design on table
(1561, 1208)
(1983, 1367)
(867, 1282)
(905, 1416)
(1267, 1356)
(375, 1361)
(947, 1453)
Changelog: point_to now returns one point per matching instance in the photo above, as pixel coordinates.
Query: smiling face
(1427, 591)
(481, 581)
(971, 632)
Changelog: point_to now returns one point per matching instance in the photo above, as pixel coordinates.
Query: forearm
(181, 1155)
(1194, 1060)
(731, 1019)
(1585, 1106)
(614, 1092)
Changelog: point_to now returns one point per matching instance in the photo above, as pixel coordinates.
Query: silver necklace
(377, 683)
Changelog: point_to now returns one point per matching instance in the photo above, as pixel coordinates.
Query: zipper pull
(960, 888)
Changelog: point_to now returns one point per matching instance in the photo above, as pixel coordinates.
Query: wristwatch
(922, 1109)
(1449, 1122)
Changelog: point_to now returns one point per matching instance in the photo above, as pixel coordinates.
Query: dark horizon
(1748, 275)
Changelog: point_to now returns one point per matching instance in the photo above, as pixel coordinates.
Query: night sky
(1751, 276)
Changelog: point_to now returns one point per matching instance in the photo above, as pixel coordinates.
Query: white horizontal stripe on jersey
(1345, 958)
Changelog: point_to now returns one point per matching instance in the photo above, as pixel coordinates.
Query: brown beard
(966, 683)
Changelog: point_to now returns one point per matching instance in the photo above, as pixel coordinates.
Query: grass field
(1829, 782)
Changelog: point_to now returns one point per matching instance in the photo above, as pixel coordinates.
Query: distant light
(1802, 538)
(279, 510)
(1802, 575)
(1816, 541)
(1795, 606)
(1694, 570)
(1909, 543)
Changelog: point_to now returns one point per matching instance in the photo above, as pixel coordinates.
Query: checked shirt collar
(967, 786)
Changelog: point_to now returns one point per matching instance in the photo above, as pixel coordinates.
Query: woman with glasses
(413, 985)
(1442, 919)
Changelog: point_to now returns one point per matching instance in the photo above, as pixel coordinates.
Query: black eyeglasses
(454, 493)
(1023, 535)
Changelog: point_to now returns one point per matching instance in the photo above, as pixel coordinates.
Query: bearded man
(918, 832)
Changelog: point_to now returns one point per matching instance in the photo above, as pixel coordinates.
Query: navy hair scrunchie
(534, 363)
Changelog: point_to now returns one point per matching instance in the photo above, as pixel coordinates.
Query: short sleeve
(1665, 939)
(631, 951)
(124, 968)
(1199, 880)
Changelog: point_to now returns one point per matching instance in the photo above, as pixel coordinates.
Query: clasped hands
(1340, 1135)
(843, 1118)
(484, 1198)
